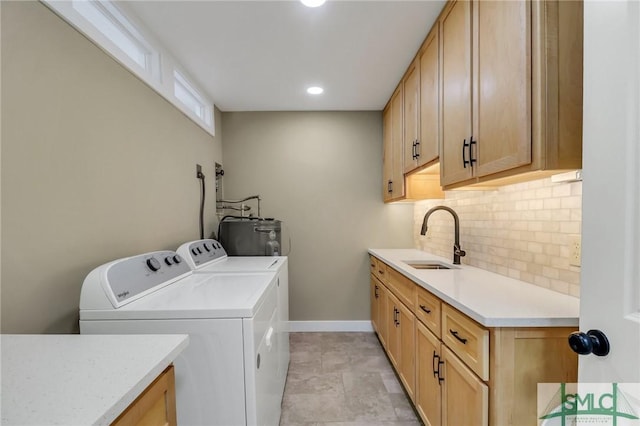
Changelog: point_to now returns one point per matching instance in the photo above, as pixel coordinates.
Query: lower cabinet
(428, 381)
(379, 297)
(458, 372)
(156, 406)
(447, 391)
(465, 398)
(406, 336)
(401, 342)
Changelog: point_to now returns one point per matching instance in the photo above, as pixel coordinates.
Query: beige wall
(95, 166)
(521, 231)
(320, 173)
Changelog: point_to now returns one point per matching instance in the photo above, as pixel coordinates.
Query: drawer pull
(380, 272)
(424, 308)
(455, 334)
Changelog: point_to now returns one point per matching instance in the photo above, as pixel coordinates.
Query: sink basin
(428, 264)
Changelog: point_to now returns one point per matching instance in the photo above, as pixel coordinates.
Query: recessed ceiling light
(313, 3)
(315, 90)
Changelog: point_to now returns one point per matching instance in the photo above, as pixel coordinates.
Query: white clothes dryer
(208, 256)
(228, 373)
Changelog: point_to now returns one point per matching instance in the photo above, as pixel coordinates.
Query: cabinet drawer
(428, 310)
(378, 269)
(467, 339)
(402, 287)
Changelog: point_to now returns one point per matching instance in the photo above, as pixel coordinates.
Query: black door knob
(593, 342)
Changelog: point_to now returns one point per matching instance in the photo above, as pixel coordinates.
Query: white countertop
(491, 299)
(79, 379)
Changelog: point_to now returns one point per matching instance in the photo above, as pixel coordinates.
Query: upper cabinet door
(397, 134)
(387, 154)
(455, 71)
(411, 116)
(392, 140)
(397, 179)
(501, 85)
(427, 148)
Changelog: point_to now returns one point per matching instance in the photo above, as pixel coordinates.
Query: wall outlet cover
(575, 250)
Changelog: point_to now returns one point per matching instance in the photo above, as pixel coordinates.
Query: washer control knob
(199, 250)
(194, 251)
(177, 259)
(153, 264)
(206, 247)
(168, 260)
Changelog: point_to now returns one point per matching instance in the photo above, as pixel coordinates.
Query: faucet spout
(457, 251)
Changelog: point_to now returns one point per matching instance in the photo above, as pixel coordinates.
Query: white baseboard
(336, 326)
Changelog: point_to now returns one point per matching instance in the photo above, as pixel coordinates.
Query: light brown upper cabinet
(421, 106)
(493, 97)
(427, 148)
(411, 83)
(392, 122)
(412, 129)
(455, 63)
(511, 94)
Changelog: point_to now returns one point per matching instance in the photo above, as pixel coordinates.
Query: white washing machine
(228, 375)
(209, 257)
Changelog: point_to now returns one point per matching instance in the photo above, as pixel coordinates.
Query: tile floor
(343, 379)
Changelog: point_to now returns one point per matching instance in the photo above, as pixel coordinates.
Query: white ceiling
(262, 55)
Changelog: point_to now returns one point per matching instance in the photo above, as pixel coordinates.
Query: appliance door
(209, 372)
(283, 324)
(264, 393)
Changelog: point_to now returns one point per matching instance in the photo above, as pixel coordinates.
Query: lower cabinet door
(465, 398)
(383, 314)
(375, 304)
(428, 388)
(393, 330)
(379, 309)
(407, 370)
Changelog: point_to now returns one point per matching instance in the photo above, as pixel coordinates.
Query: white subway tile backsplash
(561, 191)
(520, 231)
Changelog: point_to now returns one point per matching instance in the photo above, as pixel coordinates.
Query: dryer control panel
(122, 281)
(142, 274)
(201, 252)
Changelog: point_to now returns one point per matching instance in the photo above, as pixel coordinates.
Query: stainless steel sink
(428, 264)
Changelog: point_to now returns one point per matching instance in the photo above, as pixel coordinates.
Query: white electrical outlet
(575, 250)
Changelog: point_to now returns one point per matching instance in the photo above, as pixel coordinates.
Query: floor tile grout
(343, 379)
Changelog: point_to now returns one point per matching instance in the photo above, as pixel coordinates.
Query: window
(107, 19)
(190, 97)
(127, 41)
